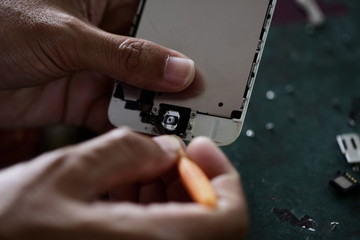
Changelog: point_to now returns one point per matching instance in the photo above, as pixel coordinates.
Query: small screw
(181, 135)
(270, 126)
(155, 110)
(352, 122)
(250, 133)
(189, 127)
(333, 225)
(193, 115)
(270, 95)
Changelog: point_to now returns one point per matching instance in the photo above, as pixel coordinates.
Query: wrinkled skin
(55, 195)
(54, 49)
(57, 59)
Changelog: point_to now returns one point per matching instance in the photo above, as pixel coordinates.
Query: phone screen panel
(225, 39)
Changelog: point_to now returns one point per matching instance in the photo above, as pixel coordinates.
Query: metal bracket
(350, 146)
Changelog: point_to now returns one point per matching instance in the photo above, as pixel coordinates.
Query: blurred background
(306, 93)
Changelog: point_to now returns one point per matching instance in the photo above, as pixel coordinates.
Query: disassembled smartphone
(225, 39)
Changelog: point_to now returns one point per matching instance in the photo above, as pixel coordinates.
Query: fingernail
(179, 71)
(168, 144)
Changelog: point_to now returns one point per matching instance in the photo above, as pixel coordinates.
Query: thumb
(134, 61)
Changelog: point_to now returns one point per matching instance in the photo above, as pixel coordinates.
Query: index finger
(209, 157)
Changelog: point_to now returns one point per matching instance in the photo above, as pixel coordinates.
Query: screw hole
(221, 104)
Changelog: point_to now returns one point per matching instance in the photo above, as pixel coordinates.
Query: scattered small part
(270, 95)
(356, 168)
(270, 126)
(334, 225)
(308, 223)
(350, 146)
(285, 215)
(250, 133)
(314, 14)
(289, 89)
(352, 123)
(344, 182)
(196, 182)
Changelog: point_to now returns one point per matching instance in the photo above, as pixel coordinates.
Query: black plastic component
(133, 105)
(236, 115)
(118, 93)
(147, 97)
(148, 117)
(144, 104)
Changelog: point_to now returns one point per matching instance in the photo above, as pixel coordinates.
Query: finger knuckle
(128, 140)
(119, 144)
(65, 162)
(63, 26)
(55, 160)
(121, 141)
(133, 54)
(57, 51)
(133, 145)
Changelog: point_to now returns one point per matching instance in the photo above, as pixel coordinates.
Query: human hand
(55, 195)
(58, 48)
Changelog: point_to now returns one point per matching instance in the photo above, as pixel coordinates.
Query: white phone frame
(222, 130)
